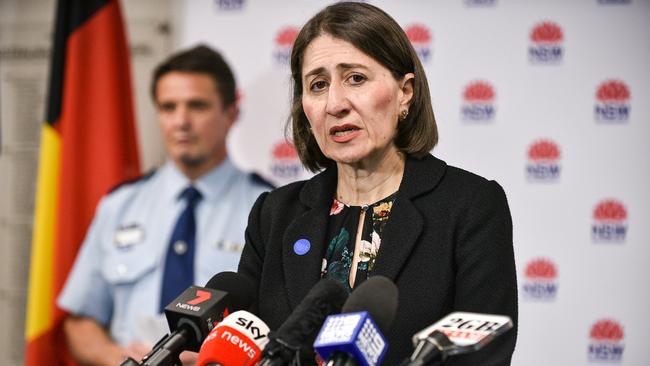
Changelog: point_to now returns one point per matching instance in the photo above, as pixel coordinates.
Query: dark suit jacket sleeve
(486, 276)
(252, 258)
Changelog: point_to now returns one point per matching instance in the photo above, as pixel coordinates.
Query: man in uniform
(152, 238)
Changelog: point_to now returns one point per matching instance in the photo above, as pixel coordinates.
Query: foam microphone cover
(298, 332)
(241, 290)
(379, 297)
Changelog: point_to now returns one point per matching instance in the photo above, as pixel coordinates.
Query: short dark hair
(204, 60)
(375, 33)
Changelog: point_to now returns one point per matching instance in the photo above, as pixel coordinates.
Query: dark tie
(179, 264)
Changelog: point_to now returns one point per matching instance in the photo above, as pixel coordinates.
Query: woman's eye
(356, 79)
(318, 85)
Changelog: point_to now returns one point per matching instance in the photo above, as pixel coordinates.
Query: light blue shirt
(117, 276)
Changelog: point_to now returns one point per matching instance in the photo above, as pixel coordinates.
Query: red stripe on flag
(98, 150)
(99, 147)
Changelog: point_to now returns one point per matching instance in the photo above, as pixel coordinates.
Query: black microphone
(355, 337)
(455, 334)
(193, 314)
(296, 335)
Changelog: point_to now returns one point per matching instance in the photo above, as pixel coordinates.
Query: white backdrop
(550, 98)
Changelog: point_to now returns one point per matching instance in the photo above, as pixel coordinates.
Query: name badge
(126, 236)
(229, 246)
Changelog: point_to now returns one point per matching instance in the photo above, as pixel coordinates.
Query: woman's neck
(365, 183)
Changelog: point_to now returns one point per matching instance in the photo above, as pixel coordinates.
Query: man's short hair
(203, 60)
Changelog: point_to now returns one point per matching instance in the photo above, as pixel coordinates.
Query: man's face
(193, 121)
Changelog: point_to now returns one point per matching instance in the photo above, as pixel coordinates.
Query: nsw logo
(612, 102)
(480, 2)
(420, 38)
(543, 161)
(478, 102)
(228, 5)
(284, 43)
(286, 164)
(610, 222)
(546, 43)
(540, 280)
(606, 341)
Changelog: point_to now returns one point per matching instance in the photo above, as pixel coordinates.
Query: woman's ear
(406, 87)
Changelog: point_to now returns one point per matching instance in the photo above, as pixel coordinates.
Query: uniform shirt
(117, 276)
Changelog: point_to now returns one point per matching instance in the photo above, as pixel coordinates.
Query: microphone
(296, 335)
(193, 314)
(353, 338)
(237, 341)
(455, 334)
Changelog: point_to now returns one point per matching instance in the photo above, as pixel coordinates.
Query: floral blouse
(342, 233)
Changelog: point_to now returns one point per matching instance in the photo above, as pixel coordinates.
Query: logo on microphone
(286, 164)
(284, 43)
(201, 296)
(228, 5)
(606, 344)
(610, 222)
(478, 102)
(420, 38)
(543, 161)
(540, 281)
(612, 102)
(546, 43)
(370, 342)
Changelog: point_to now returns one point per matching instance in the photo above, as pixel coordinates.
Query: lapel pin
(301, 246)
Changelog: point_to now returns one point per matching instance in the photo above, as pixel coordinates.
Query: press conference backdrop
(550, 98)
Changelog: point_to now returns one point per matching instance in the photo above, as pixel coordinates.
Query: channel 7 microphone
(238, 340)
(296, 335)
(455, 334)
(355, 337)
(193, 314)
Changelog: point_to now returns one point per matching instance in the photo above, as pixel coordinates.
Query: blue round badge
(301, 246)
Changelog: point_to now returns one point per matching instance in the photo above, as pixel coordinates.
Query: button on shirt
(117, 276)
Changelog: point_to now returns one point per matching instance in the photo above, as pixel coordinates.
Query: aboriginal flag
(88, 144)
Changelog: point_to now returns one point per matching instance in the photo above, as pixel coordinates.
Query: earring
(403, 114)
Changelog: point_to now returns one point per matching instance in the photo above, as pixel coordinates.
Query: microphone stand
(430, 351)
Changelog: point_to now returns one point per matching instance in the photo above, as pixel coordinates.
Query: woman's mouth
(344, 133)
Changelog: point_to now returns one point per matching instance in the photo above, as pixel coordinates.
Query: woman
(382, 205)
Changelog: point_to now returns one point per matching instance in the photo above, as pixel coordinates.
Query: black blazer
(447, 246)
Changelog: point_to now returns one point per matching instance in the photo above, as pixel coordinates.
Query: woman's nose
(337, 100)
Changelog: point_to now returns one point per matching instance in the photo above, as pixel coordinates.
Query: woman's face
(352, 101)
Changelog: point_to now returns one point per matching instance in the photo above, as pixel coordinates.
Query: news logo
(606, 341)
(543, 161)
(339, 328)
(284, 43)
(478, 102)
(612, 102)
(610, 222)
(420, 38)
(546, 43)
(229, 5)
(540, 280)
(286, 164)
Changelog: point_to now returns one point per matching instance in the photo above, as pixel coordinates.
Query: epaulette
(126, 182)
(258, 179)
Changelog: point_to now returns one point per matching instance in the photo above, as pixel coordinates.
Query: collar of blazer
(398, 238)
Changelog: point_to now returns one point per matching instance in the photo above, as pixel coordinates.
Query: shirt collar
(212, 184)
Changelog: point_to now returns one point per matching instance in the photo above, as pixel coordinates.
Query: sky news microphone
(238, 340)
(293, 340)
(193, 314)
(355, 337)
(455, 334)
